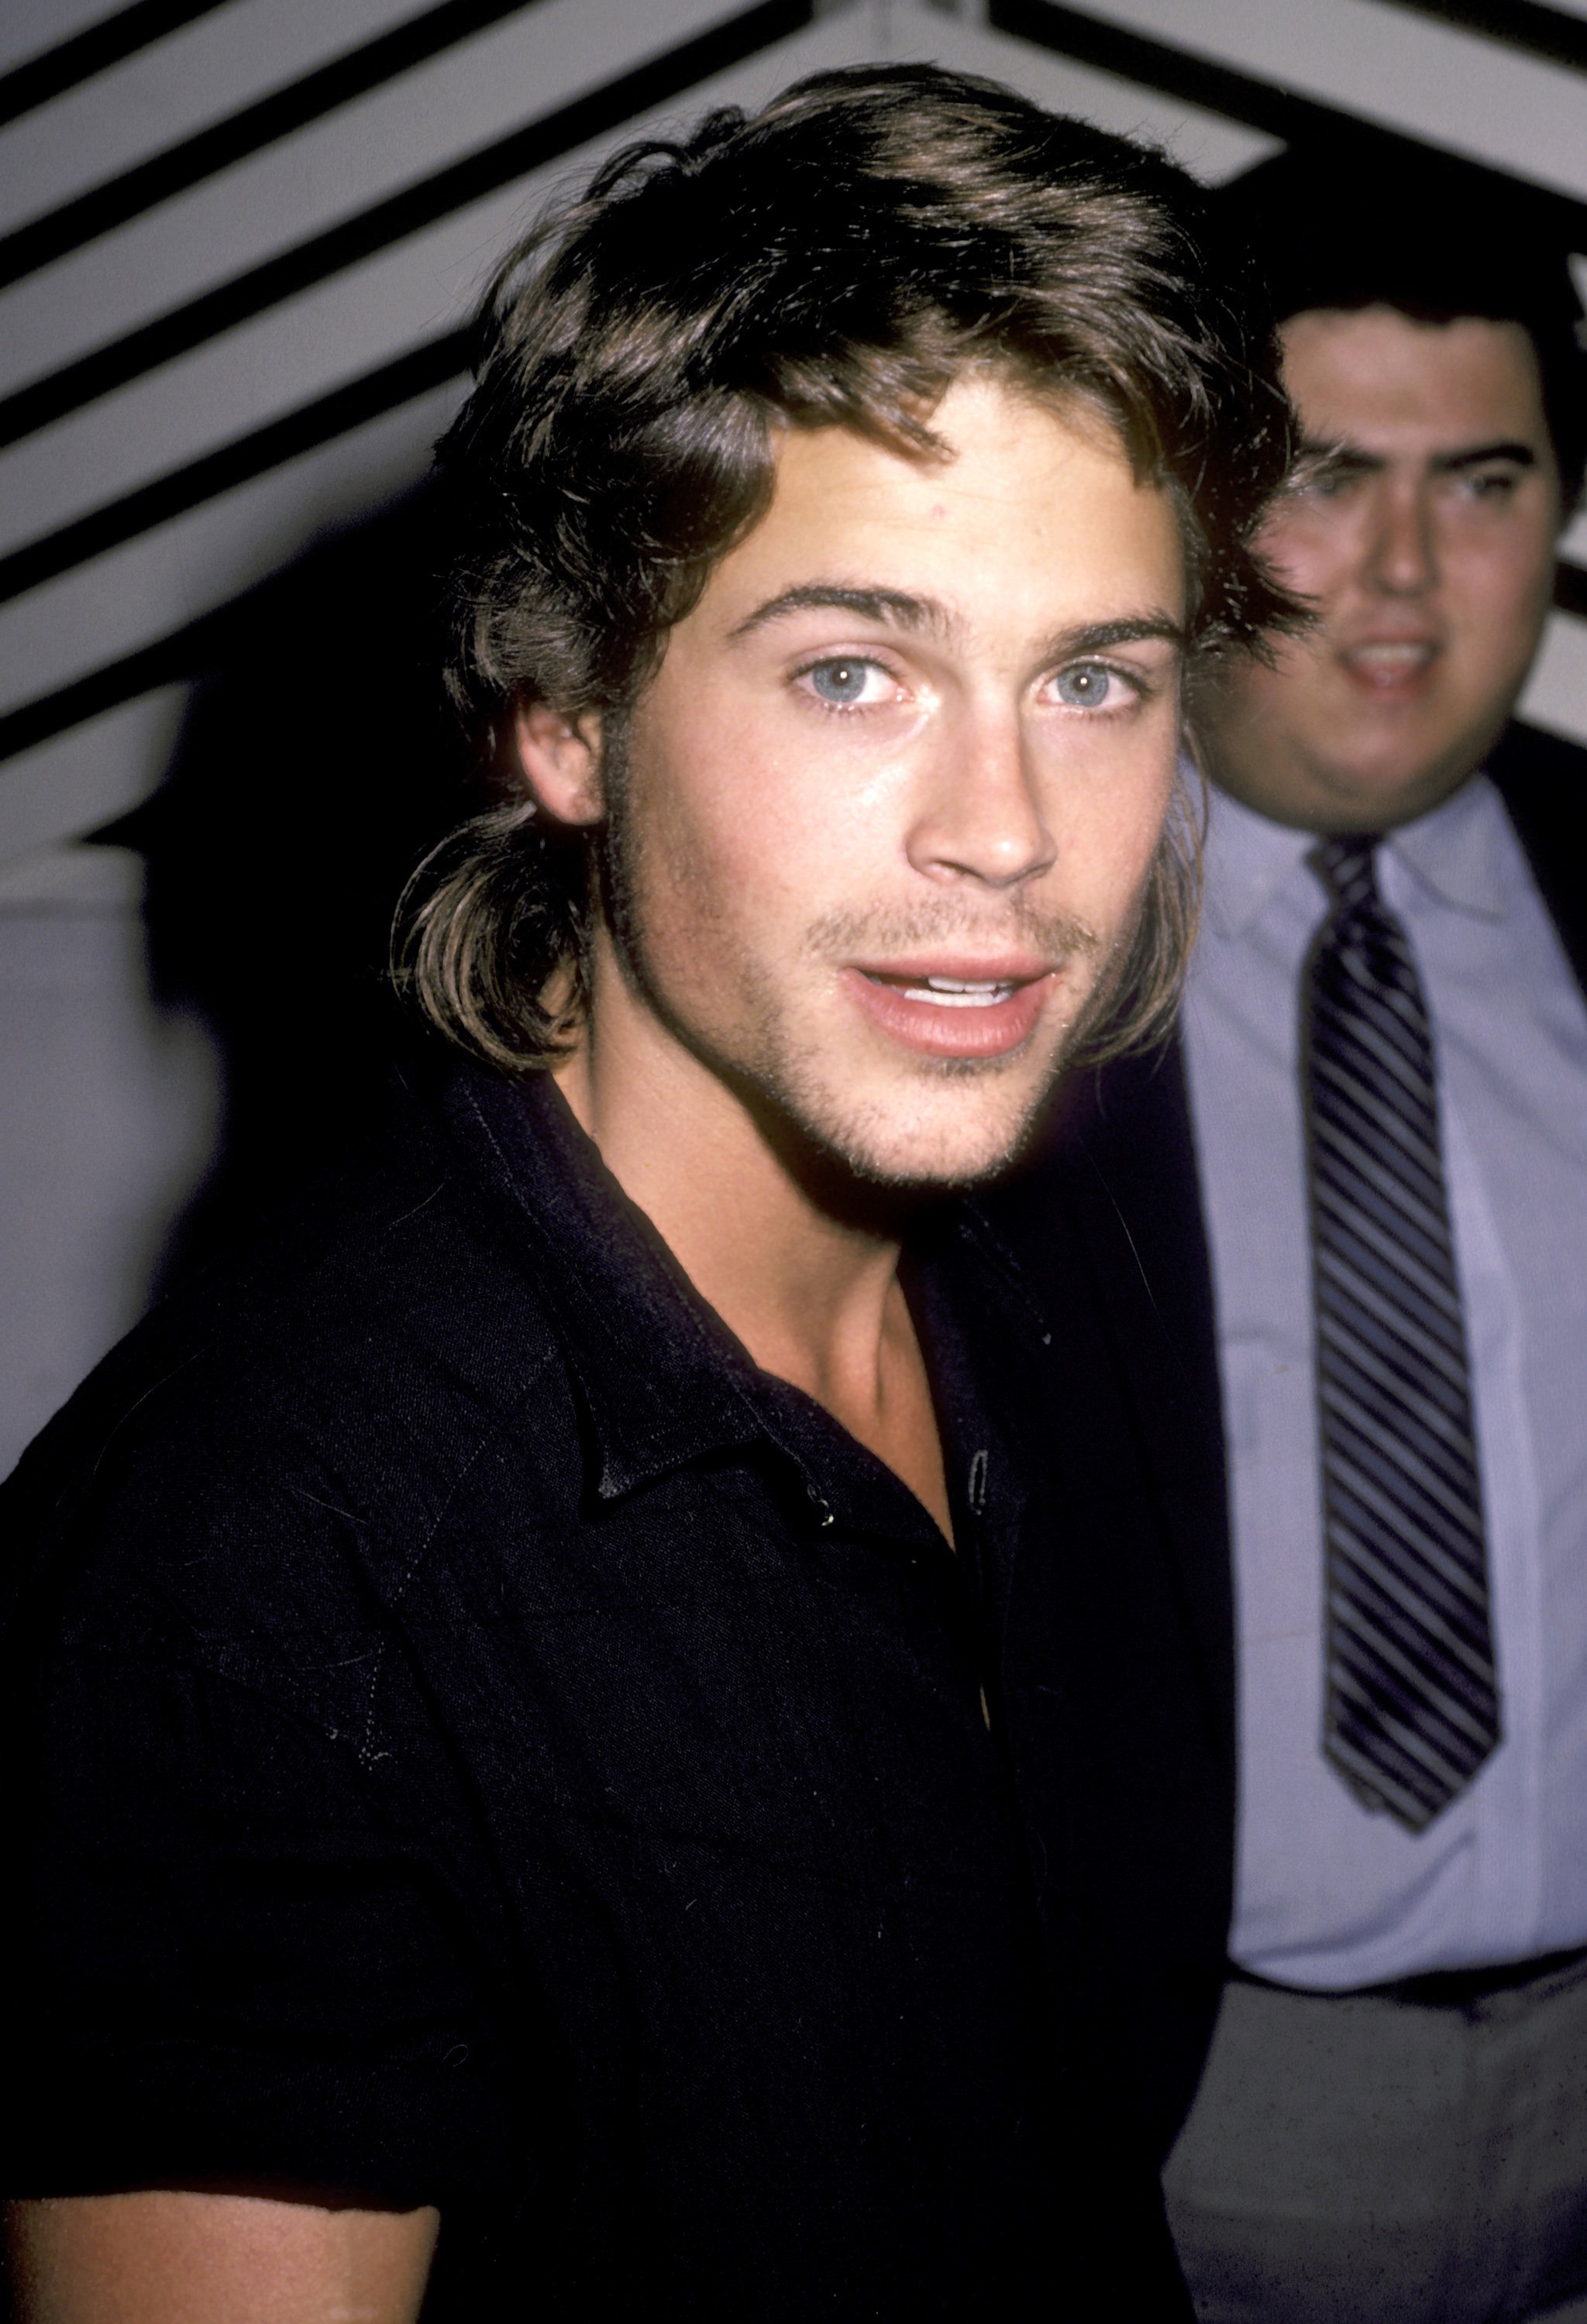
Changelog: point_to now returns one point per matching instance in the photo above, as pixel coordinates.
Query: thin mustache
(1053, 936)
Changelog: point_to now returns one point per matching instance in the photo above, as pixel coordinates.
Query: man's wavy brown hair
(836, 260)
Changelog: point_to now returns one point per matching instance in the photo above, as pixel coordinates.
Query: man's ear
(561, 760)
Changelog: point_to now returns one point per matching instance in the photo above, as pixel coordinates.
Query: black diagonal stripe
(1377, 1216)
(103, 207)
(1392, 1742)
(1364, 1365)
(1408, 1661)
(1387, 1147)
(1363, 1287)
(1378, 1783)
(399, 215)
(1392, 1641)
(1399, 1273)
(1393, 1178)
(1263, 105)
(335, 414)
(1400, 1648)
(1375, 1495)
(1551, 33)
(1403, 1760)
(1364, 1389)
(93, 50)
(1570, 588)
(1375, 1717)
(1412, 1811)
(1421, 1447)
(1391, 1515)
(1371, 1686)
(1284, 114)
(183, 653)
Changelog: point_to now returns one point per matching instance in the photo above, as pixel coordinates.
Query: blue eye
(842, 682)
(1085, 687)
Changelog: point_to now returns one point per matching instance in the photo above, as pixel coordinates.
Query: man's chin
(1390, 781)
(934, 1154)
(861, 1139)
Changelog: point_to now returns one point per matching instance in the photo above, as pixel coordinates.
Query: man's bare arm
(165, 2257)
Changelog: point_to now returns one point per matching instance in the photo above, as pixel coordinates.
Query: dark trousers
(1414, 2154)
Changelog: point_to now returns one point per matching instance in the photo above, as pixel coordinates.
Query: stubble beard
(932, 1123)
(906, 1136)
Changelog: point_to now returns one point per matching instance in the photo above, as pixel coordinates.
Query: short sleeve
(240, 1962)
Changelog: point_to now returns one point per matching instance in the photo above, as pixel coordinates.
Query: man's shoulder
(304, 1406)
(1114, 1144)
(1542, 778)
(1526, 754)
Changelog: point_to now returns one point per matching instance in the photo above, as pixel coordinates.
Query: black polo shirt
(478, 1740)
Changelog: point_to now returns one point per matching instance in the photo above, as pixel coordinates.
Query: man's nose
(979, 814)
(1402, 556)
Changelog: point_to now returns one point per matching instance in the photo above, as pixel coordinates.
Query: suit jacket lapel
(1542, 779)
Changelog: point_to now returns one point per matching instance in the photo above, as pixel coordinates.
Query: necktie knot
(1346, 865)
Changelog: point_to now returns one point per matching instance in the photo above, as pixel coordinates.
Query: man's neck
(814, 1297)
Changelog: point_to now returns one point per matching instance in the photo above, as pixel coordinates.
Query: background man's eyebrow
(1519, 456)
(1333, 454)
(894, 605)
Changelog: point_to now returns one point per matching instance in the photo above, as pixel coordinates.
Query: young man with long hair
(562, 1702)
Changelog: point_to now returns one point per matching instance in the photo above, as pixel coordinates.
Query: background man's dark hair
(838, 259)
(1349, 226)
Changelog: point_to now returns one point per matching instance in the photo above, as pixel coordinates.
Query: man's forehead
(1377, 379)
(1027, 515)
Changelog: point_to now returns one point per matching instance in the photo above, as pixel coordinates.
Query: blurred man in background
(560, 1701)
(1385, 1055)
(1345, 1220)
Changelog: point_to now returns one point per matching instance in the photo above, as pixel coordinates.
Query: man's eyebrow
(906, 611)
(1355, 459)
(1334, 452)
(1098, 636)
(895, 606)
(1519, 456)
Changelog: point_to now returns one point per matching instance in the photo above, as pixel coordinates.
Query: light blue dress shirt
(1329, 1896)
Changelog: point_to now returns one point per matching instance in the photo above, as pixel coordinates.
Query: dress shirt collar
(1456, 853)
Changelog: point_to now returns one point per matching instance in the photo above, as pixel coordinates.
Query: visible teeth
(958, 992)
(1392, 656)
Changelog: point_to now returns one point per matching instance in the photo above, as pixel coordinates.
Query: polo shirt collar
(662, 1378)
(659, 1372)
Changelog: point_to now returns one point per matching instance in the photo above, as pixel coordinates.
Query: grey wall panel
(75, 783)
(1555, 695)
(174, 574)
(312, 342)
(29, 27)
(1212, 147)
(306, 345)
(178, 85)
(124, 600)
(477, 92)
(1390, 65)
(108, 1124)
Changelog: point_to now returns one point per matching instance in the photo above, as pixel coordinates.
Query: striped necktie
(1411, 1702)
